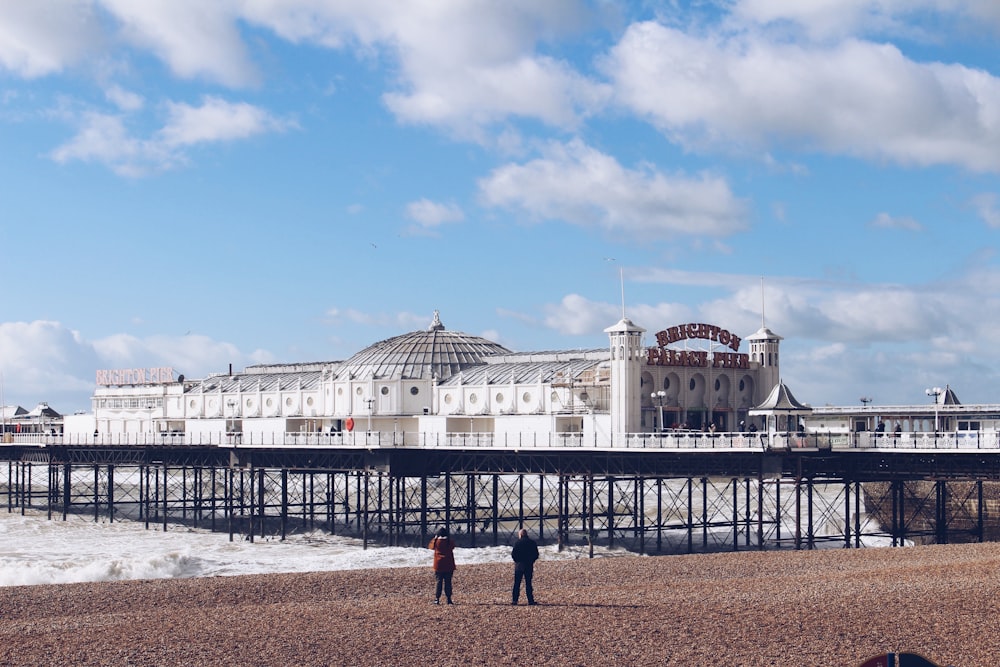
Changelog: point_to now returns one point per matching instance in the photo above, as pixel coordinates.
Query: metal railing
(674, 440)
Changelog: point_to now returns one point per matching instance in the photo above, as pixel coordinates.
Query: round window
(499, 398)
(288, 401)
(270, 402)
(193, 404)
(414, 391)
(309, 401)
(340, 391)
(473, 398)
(692, 384)
(526, 397)
(447, 399)
(384, 391)
(358, 391)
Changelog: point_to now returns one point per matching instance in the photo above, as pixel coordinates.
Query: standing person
(524, 554)
(444, 563)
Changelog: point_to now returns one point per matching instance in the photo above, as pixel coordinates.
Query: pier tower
(627, 357)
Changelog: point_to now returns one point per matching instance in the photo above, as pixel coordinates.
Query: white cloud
(855, 98)
(459, 65)
(192, 355)
(838, 337)
(827, 19)
(194, 38)
(578, 184)
(43, 37)
(106, 139)
(124, 99)
(433, 214)
(985, 205)
(216, 120)
(46, 361)
(577, 315)
(885, 221)
(462, 65)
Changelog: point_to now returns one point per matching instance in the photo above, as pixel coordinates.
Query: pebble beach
(827, 607)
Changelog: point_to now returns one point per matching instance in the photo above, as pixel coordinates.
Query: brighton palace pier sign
(133, 376)
(664, 356)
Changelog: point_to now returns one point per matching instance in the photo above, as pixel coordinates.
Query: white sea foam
(35, 550)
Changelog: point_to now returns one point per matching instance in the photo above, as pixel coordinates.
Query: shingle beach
(823, 608)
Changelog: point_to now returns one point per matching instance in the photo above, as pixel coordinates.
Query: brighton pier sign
(662, 355)
(124, 376)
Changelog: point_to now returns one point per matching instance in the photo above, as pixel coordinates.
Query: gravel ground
(829, 608)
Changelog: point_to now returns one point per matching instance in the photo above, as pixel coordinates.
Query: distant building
(41, 419)
(437, 381)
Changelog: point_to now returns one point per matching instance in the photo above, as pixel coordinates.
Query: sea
(37, 550)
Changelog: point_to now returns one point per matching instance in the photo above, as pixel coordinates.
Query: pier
(648, 495)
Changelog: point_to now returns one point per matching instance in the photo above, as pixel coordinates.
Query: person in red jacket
(444, 563)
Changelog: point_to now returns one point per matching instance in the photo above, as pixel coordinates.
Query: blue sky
(196, 184)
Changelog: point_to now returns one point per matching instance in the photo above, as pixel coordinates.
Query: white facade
(442, 382)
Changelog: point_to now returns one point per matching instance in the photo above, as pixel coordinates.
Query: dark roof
(949, 397)
(780, 400)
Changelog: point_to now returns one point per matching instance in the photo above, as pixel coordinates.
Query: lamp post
(659, 396)
(865, 400)
(371, 406)
(936, 392)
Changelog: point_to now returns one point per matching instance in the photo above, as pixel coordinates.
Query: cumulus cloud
(838, 336)
(577, 315)
(830, 19)
(853, 98)
(44, 37)
(580, 185)
(216, 120)
(821, 312)
(461, 65)
(107, 139)
(46, 361)
(41, 359)
(194, 38)
(430, 215)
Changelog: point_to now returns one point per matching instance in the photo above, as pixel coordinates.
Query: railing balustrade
(672, 440)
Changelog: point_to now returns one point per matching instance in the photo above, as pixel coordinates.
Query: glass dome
(420, 355)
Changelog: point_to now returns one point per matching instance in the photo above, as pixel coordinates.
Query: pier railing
(681, 440)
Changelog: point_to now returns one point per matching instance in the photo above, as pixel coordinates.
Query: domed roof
(433, 353)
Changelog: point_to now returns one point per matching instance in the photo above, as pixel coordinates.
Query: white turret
(627, 357)
(764, 351)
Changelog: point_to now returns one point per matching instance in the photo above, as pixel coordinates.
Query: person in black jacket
(524, 554)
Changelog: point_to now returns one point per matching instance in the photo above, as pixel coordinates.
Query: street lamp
(936, 392)
(371, 407)
(659, 396)
(865, 400)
